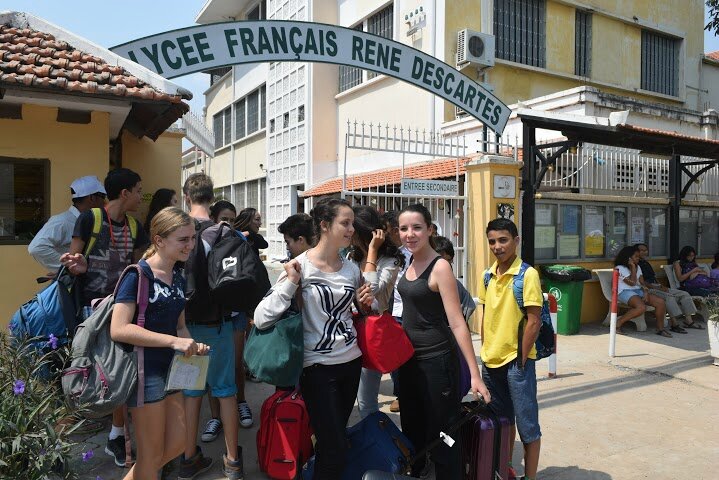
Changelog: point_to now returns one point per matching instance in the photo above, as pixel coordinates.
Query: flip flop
(695, 325)
(664, 333)
(677, 329)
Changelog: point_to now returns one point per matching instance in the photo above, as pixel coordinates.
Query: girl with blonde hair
(160, 422)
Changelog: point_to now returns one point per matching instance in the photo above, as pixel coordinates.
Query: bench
(605, 280)
(699, 301)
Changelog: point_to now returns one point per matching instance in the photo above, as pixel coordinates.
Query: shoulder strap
(143, 298)
(518, 290)
(428, 271)
(487, 278)
(96, 227)
(518, 285)
(132, 222)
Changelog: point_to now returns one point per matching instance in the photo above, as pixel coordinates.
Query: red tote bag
(385, 346)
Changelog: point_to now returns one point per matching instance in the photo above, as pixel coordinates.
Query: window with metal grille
(350, 76)
(263, 106)
(239, 199)
(520, 31)
(217, 129)
(660, 63)
(263, 195)
(24, 198)
(240, 119)
(253, 198)
(381, 24)
(583, 43)
(253, 113)
(227, 127)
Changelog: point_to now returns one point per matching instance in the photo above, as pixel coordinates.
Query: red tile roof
(35, 59)
(713, 55)
(667, 133)
(442, 168)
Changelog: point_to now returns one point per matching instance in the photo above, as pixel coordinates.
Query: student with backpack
(159, 422)
(510, 375)
(208, 324)
(111, 240)
(329, 285)
(224, 211)
(432, 318)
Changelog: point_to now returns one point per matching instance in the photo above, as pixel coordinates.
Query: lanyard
(124, 230)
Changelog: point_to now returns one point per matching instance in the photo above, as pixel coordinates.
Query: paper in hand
(188, 373)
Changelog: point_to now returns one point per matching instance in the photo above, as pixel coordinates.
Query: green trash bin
(566, 283)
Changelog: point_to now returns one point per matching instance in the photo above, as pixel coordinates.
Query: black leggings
(430, 401)
(330, 392)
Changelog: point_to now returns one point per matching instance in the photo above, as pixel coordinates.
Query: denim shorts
(629, 293)
(239, 322)
(154, 390)
(514, 395)
(221, 371)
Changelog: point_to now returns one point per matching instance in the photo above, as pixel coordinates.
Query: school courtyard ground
(650, 413)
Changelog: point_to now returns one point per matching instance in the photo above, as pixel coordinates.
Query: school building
(70, 108)
(284, 128)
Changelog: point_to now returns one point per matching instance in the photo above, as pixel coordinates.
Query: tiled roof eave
(444, 168)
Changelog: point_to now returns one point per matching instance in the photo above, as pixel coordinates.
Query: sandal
(677, 329)
(696, 325)
(620, 331)
(664, 333)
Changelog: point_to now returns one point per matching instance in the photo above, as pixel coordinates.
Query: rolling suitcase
(284, 440)
(375, 443)
(478, 434)
(485, 446)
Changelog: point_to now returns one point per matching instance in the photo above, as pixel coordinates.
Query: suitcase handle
(469, 408)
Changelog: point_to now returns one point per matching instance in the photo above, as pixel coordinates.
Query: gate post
(492, 191)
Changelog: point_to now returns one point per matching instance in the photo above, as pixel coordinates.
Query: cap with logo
(84, 186)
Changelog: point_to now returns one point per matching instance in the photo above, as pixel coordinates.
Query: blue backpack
(545, 344)
(50, 311)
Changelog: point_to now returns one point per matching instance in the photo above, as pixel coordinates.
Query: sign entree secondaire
(204, 47)
(413, 186)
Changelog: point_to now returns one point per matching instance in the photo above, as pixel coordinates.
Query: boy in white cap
(55, 236)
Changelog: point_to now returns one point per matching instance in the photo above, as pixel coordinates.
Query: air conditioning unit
(474, 48)
(459, 112)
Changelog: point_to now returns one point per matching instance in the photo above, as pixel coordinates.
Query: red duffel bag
(383, 342)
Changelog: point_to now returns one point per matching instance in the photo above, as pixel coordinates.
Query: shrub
(34, 430)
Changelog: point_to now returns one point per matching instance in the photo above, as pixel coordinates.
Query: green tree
(713, 25)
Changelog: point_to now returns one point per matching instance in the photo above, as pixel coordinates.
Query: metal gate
(449, 213)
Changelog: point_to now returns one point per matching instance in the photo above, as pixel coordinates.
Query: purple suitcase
(485, 447)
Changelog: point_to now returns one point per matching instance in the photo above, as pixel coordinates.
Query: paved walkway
(650, 413)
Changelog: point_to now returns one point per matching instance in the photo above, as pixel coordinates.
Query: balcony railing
(597, 169)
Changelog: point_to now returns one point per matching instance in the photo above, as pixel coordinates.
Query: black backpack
(237, 278)
(199, 309)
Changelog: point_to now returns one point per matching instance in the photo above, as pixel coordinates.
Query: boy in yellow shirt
(509, 376)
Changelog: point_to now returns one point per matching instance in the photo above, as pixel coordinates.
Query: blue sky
(110, 24)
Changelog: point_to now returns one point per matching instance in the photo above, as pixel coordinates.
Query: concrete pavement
(650, 413)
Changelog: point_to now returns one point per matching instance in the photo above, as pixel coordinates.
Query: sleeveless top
(424, 318)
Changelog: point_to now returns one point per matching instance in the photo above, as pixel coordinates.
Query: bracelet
(371, 263)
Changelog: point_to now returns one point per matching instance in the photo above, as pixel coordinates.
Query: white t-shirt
(624, 272)
(397, 305)
(329, 335)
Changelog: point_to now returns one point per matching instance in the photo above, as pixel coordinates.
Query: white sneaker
(212, 429)
(245, 414)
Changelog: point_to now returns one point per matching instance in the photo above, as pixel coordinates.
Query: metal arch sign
(204, 47)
